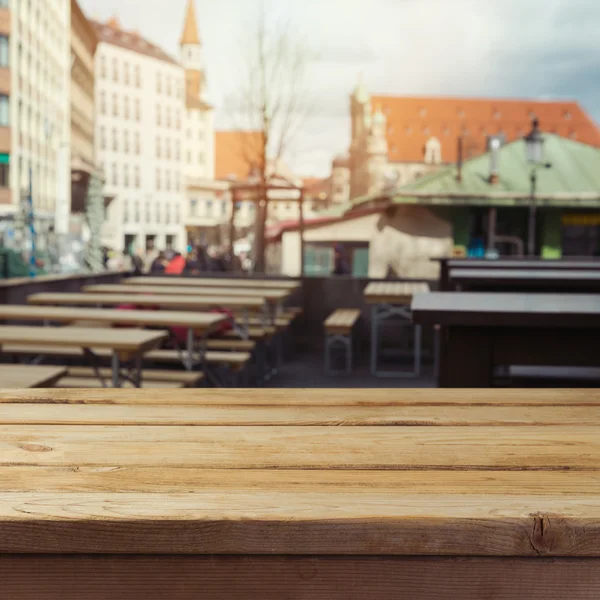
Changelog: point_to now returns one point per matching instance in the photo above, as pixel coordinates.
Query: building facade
(35, 120)
(396, 140)
(140, 124)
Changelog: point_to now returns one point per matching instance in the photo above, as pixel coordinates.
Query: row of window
(131, 141)
(126, 177)
(208, 208)
(131, 76)
(128, 107)
(132, 213)
(163, 149)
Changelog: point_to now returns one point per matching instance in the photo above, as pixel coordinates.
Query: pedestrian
(340, 266)
(176, 265)
(159, 264)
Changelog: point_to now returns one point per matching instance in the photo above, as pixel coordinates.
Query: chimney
(459, 162)
(494, 148)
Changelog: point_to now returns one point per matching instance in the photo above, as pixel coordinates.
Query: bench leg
(116, 371)
(330, 342)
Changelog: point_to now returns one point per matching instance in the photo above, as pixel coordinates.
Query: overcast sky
(513, 48)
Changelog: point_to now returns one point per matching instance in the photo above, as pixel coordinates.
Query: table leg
(374, 340)
(116, 370)
(417, 350)
(189, 359)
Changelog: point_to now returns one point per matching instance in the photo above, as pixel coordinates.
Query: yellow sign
(575, 220)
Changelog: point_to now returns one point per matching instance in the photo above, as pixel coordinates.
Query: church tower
(191, 54)
(360, 110)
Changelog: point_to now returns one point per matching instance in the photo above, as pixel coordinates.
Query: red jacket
(176, 266)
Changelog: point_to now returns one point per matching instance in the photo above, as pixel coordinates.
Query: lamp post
(534, 143)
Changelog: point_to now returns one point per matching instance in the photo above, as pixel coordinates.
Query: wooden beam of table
(524, 447)
(142, 318)
(121, 415)
(271, 295)
(432, 398)
(132, 340)
(393, 292)
(228, 282)
(175, 302)
(29, 376)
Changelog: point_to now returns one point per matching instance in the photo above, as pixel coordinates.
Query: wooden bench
(338, 331)
(150, 378)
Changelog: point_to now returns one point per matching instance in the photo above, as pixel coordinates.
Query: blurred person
(137, 263)
(176, 265)
(159, 264)
(340, 265)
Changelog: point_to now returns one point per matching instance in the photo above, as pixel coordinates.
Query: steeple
(190, 36)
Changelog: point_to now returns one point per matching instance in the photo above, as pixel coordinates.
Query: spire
(190, 28)
(360, 92)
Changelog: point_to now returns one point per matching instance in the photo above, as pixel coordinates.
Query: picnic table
(391, 300)
(527, 280)
(198, 325)
(127, 347)
(323, 494)
(29, 376)
(276, 284)
(484, 331)
(572, 264)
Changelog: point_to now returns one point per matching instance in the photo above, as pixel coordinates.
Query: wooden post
(234, 200)
(301, 224)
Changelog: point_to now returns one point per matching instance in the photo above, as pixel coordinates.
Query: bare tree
(271, 100)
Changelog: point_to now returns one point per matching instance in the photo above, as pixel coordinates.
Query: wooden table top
(393, 292)
(276, 284)
(140, 318)
(507, 309)
(304, 472)
(271, 295)
(29, 376)
(130, 340)
(197, 302)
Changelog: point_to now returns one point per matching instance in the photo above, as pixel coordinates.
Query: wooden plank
(520, 448)
(184, 377)
(29, 376)
(317, 397)
(199, 321)
(156, 479)
(87, 382)
(196, 302)
(289, 577)
(400, 292)
(247, 522)
(131, 340)
(272, 295)
(228, 282)
(80, 414)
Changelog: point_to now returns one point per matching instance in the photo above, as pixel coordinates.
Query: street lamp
(534, 144)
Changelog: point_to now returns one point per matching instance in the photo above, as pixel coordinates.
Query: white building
(35, 115)
(140, 124)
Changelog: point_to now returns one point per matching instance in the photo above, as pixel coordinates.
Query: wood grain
(232, 415)
(394, 292)
(315, 397)
(29, 376)
(510, 448)
(296, 578)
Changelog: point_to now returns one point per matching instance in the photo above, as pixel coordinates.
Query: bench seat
(184, 378)
(341, 321)
(234, 360)
(88, 382)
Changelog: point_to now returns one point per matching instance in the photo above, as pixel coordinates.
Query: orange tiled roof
(236, 152)
(412, 121)
(111, 33)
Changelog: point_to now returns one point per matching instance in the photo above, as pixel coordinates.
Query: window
(126, 107)
(115, 69)
(102, 138)
(193, 207)
(158, 180)
(158, 83)
(189, 156)
(126, 73)
(157, 212)
(137, 177)
(168, 117)
(115, 106)
(177, 151)
(158, 147)
(177, 182)
(201, 158)
(3, 51)
(125, 211)
(200, 134)
(158, 115)
(137, 142)
(115, 177)
(115, 140)
(138, 110)
(209, 208)
(126, 141)
(125, 175)
(167, 214)
(4, 175)
(177, 120)
(168, 148)
(147, 211)
(177, 214)
(136, 213)
(103, 67)
(168, 181)
(102, 103)
(168, 86)
(138, 76)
